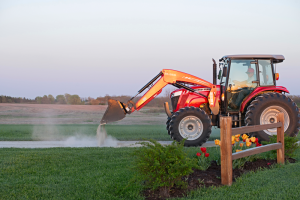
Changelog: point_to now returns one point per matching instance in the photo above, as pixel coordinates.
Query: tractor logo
(170, 74)
(193, 79)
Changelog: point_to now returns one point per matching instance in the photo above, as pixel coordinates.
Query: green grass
(280, 182)
(104, 173)
(66, 173)
(11, 132)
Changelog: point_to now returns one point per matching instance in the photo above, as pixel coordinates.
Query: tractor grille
(174, 101)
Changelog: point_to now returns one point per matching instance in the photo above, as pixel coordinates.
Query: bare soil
(210, 177)
(13, 113)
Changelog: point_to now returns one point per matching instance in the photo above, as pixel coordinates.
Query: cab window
(265, 72)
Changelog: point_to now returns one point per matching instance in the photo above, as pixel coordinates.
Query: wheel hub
(190, 127)
(269, 116)
(272, 120)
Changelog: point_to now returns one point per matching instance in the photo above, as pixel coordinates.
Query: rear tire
(263, 110)
(190, 123)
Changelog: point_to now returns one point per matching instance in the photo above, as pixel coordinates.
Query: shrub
(290, 146)
(163, 166)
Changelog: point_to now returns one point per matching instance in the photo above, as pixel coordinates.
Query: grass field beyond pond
(12, 132)
(104, 173)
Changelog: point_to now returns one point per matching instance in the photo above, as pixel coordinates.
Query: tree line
(46, 99)
(76, 100)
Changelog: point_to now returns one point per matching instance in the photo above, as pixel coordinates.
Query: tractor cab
(241, 75)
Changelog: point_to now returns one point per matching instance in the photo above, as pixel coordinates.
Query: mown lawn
(66, 173)
(104, 173)
(12, 132)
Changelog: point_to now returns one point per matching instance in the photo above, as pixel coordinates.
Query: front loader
(247, 92)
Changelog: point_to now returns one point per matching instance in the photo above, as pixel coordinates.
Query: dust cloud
(49, 132)
(101, 140)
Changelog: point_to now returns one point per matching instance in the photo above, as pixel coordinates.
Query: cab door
(242, 80)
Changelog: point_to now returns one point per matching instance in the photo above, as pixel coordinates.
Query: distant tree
(67, 97)
(45, 100)
(74, 100)
(51, 99)
(38, 99)
(61, 99)
(3, 99)
(94, 102)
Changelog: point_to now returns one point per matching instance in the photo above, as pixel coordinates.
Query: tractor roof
(276, 58)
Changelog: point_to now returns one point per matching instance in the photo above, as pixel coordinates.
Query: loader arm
(117, 110)
(176, 78)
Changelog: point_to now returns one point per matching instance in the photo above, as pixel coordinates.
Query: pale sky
(94, 48)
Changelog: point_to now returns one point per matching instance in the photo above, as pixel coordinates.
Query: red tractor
(247, 92)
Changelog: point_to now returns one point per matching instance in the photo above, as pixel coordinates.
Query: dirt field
(11, 113)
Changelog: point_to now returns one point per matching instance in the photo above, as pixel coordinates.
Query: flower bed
(202, 169)
(210, 177)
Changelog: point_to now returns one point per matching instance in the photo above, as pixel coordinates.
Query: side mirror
(220, 74)
(224, 71)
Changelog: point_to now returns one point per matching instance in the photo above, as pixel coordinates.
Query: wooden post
(280, 138)
(226, 151)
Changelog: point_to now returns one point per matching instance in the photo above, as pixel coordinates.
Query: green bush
(290, 145)
(163, 166)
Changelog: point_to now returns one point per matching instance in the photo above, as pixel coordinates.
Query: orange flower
(241, 144)
(237, 139)
(245, 136)
(238, 150)
(238, 135)
(253, 139)
(248, 144)
(217, 142)
(232, 139)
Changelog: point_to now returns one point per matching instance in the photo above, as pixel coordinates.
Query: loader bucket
(114, 112)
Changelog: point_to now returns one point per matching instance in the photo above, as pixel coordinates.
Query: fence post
(280, 138)
(226, 151)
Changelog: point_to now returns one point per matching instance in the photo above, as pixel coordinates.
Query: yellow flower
(245, 136)
(237, 139)
(248, 144)
(247, 140)
(238, 135)
(238, 150)
(241, 144)
(232, 139)
(252, 139)
(217, 142)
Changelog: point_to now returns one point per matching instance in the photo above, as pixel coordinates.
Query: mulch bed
(210, 177)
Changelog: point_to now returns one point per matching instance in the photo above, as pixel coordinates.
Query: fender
(258, 90)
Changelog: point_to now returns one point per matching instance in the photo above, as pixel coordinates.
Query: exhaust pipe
(214, 72)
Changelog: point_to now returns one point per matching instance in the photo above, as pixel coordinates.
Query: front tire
(168, 124)
(190, 123)
(263, 110)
